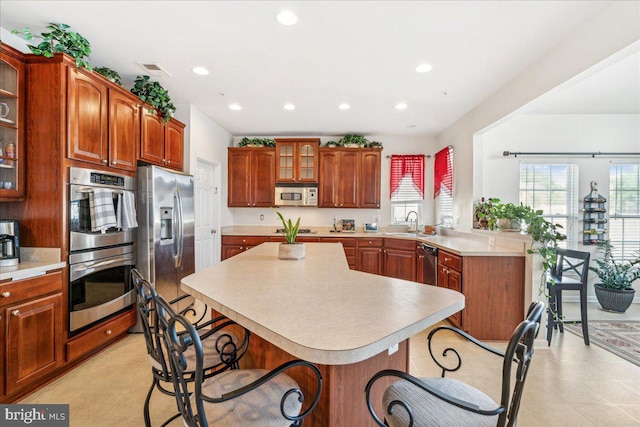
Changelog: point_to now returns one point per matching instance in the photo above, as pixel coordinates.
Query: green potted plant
(155, 95)
(353, 141)
(59, 39)
(290, 249)
(110, 75)
(614, 292)
(256, 142)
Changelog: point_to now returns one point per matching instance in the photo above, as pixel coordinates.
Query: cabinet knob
(447, 259)
(15, 312)
(105, 161)
(369, 241)
(108, 332)
(6, 294)
(164, 161)
(114, 162)
(168, 162)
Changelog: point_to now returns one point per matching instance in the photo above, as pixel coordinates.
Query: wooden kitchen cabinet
(370, 177)
(450, 276)
(233, 245)
(349, 246)
(349, 178)
(370, 255)
(31, 316)
(297, 160)
(12, 140)
(338, 180)
(104, 123)
(400, 259)
(161, 143)
(251, 177)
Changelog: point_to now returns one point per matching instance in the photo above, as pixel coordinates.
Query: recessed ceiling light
(201, 71)
(423, 68)
(344, 106)
(286, 17)
(401, 106)
(235, 107)
(289, 107)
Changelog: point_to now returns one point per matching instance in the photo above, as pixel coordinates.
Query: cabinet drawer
(375, 242)
(101, 335)
(450, 260)
(346, 241)
(244, 240)
(406, 245)
(18, 290)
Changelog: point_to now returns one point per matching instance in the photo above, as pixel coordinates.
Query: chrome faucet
(413, 226)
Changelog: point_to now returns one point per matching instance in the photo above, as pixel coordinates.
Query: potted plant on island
(290, 249)
(614, 292)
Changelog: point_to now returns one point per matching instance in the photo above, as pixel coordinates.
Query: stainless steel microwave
(296, 195)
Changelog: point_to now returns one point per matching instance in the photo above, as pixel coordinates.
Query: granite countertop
(34, 262)
(316, 308)
(459, 243)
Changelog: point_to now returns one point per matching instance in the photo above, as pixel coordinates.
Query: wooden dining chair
(445, 402)
(222, 347)
(241, 397)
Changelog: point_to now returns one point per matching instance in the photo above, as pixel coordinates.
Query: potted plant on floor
(614, 292)
(290, 249)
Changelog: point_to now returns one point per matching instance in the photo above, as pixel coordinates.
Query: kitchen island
(351, 324)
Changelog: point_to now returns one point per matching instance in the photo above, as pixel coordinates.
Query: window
(624, 210)
(553, 189)
(443, 186)
(407, 187)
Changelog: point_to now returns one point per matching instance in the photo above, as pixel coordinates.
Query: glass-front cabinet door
(11, 132)
(297, 160)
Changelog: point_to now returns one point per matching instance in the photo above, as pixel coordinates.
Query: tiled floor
(569, 384)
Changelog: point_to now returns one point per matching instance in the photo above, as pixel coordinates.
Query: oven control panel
(105, 179)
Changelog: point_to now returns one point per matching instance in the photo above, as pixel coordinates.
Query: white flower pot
(291, 251)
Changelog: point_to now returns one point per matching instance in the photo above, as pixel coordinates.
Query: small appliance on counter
(371, 227)
(9, 243)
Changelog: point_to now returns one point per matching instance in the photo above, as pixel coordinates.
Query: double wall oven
(99, 263)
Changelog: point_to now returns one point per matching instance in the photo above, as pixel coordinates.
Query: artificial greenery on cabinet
(155, 95)
(59, 39)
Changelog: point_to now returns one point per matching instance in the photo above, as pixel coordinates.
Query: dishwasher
(430, 265)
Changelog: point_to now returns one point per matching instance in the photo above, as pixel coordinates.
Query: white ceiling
(362, 52)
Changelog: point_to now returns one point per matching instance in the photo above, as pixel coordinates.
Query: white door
(207, 206)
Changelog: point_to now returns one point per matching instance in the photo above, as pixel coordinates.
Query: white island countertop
(317, 309)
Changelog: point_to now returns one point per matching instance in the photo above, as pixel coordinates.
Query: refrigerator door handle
(181, 231)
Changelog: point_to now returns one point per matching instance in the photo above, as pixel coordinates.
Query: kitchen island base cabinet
(342, 402)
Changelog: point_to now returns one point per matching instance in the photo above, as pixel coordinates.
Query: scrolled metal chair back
(145, 303)
(519, 351)
(176, 344)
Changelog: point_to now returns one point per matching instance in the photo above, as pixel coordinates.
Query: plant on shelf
(256, 142)
(374, 144)
(333, 144)
(614, 292)
(154, 94)
(109, 74)
(60, 39)
(353, 141)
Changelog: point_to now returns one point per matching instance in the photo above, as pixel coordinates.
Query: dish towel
(101, 209)
(127, 210)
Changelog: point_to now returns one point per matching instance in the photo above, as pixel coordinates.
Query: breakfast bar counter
(351, 324)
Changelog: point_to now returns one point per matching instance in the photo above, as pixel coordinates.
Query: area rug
(621, 338)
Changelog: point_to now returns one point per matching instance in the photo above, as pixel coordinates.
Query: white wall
(559, 132)
(324, 217)
(616, 28)
(209, 141)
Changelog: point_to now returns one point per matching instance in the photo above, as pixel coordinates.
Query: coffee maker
(9, 243)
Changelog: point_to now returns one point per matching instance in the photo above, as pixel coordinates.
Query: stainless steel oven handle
(91, 265)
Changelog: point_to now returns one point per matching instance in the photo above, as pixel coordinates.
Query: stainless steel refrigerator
(166, 225)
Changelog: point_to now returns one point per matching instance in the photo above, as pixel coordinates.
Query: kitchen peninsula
(351, 324)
